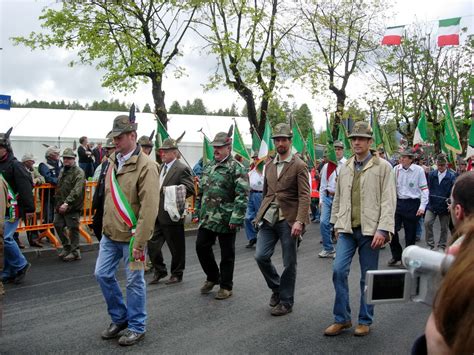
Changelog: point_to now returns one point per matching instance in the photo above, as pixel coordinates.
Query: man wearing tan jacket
(282, 216)
(130, 209)
(363, 214)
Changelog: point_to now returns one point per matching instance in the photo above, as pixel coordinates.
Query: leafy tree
(339, 36)
(247, 39)
(132, 41)
(304, 118)
(198, 108)
(175, 108)
(147, 108)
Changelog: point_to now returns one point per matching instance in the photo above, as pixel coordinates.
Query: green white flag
(342, 136)
(256, 141)
(451, 135)
(267, 143)
(238, 145)
(310, 147)
(161, 134)
(297, 140)
(421, 132)
(330, 152)
(207, 151)
(470, 143)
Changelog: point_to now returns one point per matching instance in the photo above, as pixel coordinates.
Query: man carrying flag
(329, 173)
(130, 210)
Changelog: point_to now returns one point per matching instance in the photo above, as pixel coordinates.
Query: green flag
(297, 140)
(421, 132)
(330, 152)
(266, 145)
(238, 145)
(342, 136)
(378, 142)
(255, 142)
(161, 134)
(310, 147)
(470, 143)
(451, 136)
(386, 144)
(207, 151)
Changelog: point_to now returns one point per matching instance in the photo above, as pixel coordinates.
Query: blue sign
(5, 102)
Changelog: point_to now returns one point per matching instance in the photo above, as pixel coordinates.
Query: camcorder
(418, 282)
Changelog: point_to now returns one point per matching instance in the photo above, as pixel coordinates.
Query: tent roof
(35, 122)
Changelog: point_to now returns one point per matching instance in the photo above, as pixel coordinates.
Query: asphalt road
(60, 309)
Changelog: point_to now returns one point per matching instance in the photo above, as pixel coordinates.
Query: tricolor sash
(12, 203)
(120, 202)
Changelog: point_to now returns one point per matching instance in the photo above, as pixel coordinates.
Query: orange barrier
(41, 194)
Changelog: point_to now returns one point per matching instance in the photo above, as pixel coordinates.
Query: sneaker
(223, 294)
(327, 254)
(130, 338)
(207, 287)
(361, 330)
(394, 262)
(113, 331)
(63, 253)
(75, 255)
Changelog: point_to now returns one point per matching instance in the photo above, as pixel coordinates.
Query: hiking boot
(281, 310)
(207, 287)
(274, 300)
(337, 328)
(223, 294)
(130, 338)
(327, 254)
(113, 330)
(361, 330)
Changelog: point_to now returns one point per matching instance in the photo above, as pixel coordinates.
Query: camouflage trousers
(1, 266)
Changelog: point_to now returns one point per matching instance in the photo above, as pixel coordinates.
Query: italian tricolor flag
(421, 132)
(393, 36)
(448, 32)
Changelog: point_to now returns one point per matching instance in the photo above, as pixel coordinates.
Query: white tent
(34, 127)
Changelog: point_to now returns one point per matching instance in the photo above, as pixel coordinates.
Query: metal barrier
(41, 220)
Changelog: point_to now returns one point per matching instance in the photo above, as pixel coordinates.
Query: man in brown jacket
(130, 209)
(282, 216)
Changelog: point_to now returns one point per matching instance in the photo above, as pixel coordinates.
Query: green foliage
(146, 108)
(112, 105)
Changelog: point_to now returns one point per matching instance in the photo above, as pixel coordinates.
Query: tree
(175, 108)
(304, 118)
(198, 108)
(147, 108)
(133, 41)
(339, 35)
(247, 39)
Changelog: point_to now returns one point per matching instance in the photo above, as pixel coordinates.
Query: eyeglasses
(449, 201)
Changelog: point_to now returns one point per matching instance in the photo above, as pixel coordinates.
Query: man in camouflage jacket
(69, 200)
(222, 198)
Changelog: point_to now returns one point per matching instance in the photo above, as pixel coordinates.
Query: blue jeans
(267, 238)
(324, 225)
(134, 312)
(14, 259)
(255, 200)
(347, 245)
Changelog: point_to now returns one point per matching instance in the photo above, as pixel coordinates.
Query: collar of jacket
(130, 164)
(375, 160)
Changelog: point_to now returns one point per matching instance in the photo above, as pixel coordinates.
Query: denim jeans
(315, 213)
(255, 200)
(14, 260)
(347, 245)
(134, 312)
(324, 225)
(267, 238)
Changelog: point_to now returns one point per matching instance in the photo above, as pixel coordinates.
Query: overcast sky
(45, 75)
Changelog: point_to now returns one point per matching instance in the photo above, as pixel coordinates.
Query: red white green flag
(448, 32)
(120, 202)
(393, 36)
(421, 132)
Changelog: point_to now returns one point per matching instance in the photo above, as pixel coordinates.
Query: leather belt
(259, 192)
(330, 193)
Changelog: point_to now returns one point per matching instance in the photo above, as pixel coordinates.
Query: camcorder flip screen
(388, 286)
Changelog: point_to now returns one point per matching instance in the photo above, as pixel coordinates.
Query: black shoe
(130, 338)
(275, 299)
(251, 243)
(394, 262)
(157, 277)
(113, 330)
(20, 275)
(281, 310)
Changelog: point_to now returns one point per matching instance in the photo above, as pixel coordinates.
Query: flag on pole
(255, 142)
(393, 36)
(238, 145)
(421, 132)
(310, 147)
(451, 135)
(378, 141)
(297, 141)
(448, 32)
(266, 145)
(161, 134)
(342, 136)
(386, 144)
(330, 152)
(207, 151)
(470, 143)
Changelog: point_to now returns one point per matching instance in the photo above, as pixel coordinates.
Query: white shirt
(441, 176)
(122, 159)
(255, 180)
(330, 185)
(411, 184)
(162, 172)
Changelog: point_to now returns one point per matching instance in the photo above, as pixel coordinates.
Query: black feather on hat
(131, 115)
(180, 137)
(231, 130)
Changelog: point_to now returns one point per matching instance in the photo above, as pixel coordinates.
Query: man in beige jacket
(130, 209)
(363, 214)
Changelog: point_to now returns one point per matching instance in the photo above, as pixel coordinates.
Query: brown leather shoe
(157, 277)
(361, 330)
(337, 328)
(281, 310)
(173, 280)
